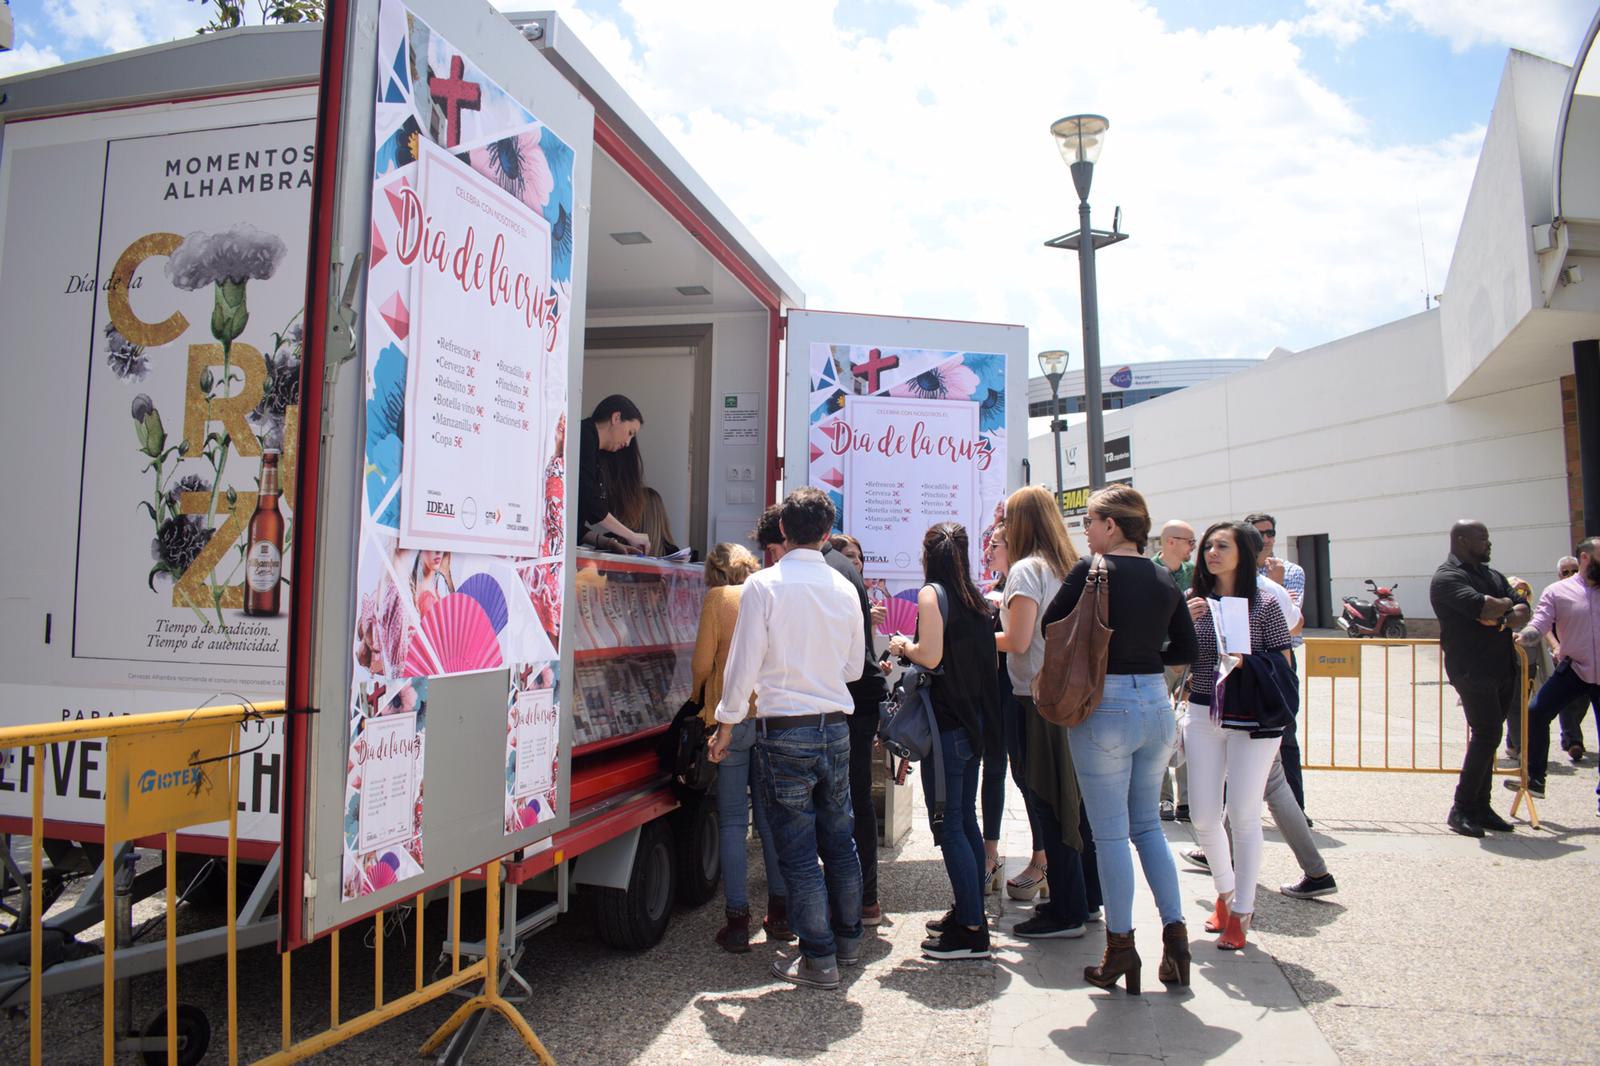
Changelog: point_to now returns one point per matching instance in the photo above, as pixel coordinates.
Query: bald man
(1177, 545)
(1477, 616)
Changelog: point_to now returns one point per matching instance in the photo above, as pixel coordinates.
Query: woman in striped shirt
(1225, 743)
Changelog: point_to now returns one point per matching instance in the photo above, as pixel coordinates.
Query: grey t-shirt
(1033, 578)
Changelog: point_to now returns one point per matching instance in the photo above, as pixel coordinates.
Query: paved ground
(1437, 949)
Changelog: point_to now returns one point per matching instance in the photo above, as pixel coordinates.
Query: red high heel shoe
(1232, 938)
(1219, 917)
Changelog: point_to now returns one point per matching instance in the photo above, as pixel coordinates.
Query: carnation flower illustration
(227, 261)
(281, 390)
(126, 359)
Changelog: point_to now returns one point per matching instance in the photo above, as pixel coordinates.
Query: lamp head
(1080, 137)
(1053, 364)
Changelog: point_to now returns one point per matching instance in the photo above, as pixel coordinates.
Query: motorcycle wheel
(1394, 629)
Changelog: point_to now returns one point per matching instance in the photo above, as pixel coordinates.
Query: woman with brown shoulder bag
(1121, 748)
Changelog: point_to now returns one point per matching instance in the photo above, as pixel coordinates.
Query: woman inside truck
(612, 429)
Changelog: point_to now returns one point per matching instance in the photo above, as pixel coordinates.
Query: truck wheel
(1394, 629)
(636, 917)
(194, 1035)
(697, 835)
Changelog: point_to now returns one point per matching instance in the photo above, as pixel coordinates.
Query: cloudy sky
(1289, 172)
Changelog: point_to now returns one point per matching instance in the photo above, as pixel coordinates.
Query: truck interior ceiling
(670, 327)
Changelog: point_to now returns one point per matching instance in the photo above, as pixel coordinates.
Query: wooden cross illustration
(453, 94)
(876, 363)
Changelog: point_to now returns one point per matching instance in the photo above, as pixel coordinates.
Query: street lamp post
(1079, 137)
(1054, 364)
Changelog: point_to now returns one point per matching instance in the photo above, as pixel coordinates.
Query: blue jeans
(1121, 752)
(958, 836)
(735, 801)
(804, 777)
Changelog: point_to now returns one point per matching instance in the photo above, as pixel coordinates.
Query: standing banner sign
(468, 328)
(905, 424)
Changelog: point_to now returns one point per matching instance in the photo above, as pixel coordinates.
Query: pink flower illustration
(947, 381)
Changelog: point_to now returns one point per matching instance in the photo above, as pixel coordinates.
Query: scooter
(1379, 617)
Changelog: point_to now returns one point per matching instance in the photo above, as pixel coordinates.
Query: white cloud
(26, 57)
(1344, 21)
(117, 27)
(1551, 28)
(914, 173)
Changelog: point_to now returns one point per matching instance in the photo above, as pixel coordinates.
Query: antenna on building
(1427, 290)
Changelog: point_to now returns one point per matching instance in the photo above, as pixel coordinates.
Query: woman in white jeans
(1225, 742)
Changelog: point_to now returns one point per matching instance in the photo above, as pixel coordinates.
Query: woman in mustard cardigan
(726, 568)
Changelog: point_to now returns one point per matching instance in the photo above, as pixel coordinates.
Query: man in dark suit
(1477, 616)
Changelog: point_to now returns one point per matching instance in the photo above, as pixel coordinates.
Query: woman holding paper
(1228, 741)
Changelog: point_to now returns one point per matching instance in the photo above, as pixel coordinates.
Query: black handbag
(685, 752)
(906, 723)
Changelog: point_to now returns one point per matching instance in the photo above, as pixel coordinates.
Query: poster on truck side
(468, 309)
(193, 408)
(152, 272)
(902, 439)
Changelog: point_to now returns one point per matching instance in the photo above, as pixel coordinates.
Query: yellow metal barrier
(194, 735)
(1341, 659)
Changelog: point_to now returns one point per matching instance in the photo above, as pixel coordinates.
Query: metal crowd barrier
(1342, 659)
(169, 767)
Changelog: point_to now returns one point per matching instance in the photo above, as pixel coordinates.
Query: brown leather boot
(734, 937)
(776, 923)
(1174, 969)
(1120, 960)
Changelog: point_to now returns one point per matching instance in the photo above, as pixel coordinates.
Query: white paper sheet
(1233, 624)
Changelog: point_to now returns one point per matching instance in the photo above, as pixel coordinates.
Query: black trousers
(863, 728)
(1074, 876)
(1289, 749)
(1485, 702)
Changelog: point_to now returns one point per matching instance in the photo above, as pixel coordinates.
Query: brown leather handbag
(1073, 678)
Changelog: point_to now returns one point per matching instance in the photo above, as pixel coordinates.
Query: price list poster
(469, 296)
(902, 439)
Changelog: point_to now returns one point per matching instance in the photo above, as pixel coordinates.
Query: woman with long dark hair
(959, 642)
(1229, 745)
(1122, 749)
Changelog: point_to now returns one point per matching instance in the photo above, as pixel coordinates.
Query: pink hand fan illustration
(902, 617)
(461, 636)
(486, 590)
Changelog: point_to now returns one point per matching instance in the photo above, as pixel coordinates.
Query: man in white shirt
(797, 643)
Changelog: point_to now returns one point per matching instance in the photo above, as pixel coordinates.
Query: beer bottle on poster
(264, 557)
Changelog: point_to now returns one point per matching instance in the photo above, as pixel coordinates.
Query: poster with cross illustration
(903, 438)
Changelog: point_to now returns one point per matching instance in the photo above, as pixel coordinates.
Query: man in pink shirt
(1572, 606)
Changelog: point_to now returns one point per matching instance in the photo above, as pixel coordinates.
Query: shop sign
(1119, 453)
(169, 780)
(1075, 502)
(1332, 659)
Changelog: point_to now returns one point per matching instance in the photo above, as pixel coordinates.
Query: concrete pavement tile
(1075, 1024)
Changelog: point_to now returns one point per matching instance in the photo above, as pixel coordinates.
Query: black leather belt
(781, 723)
